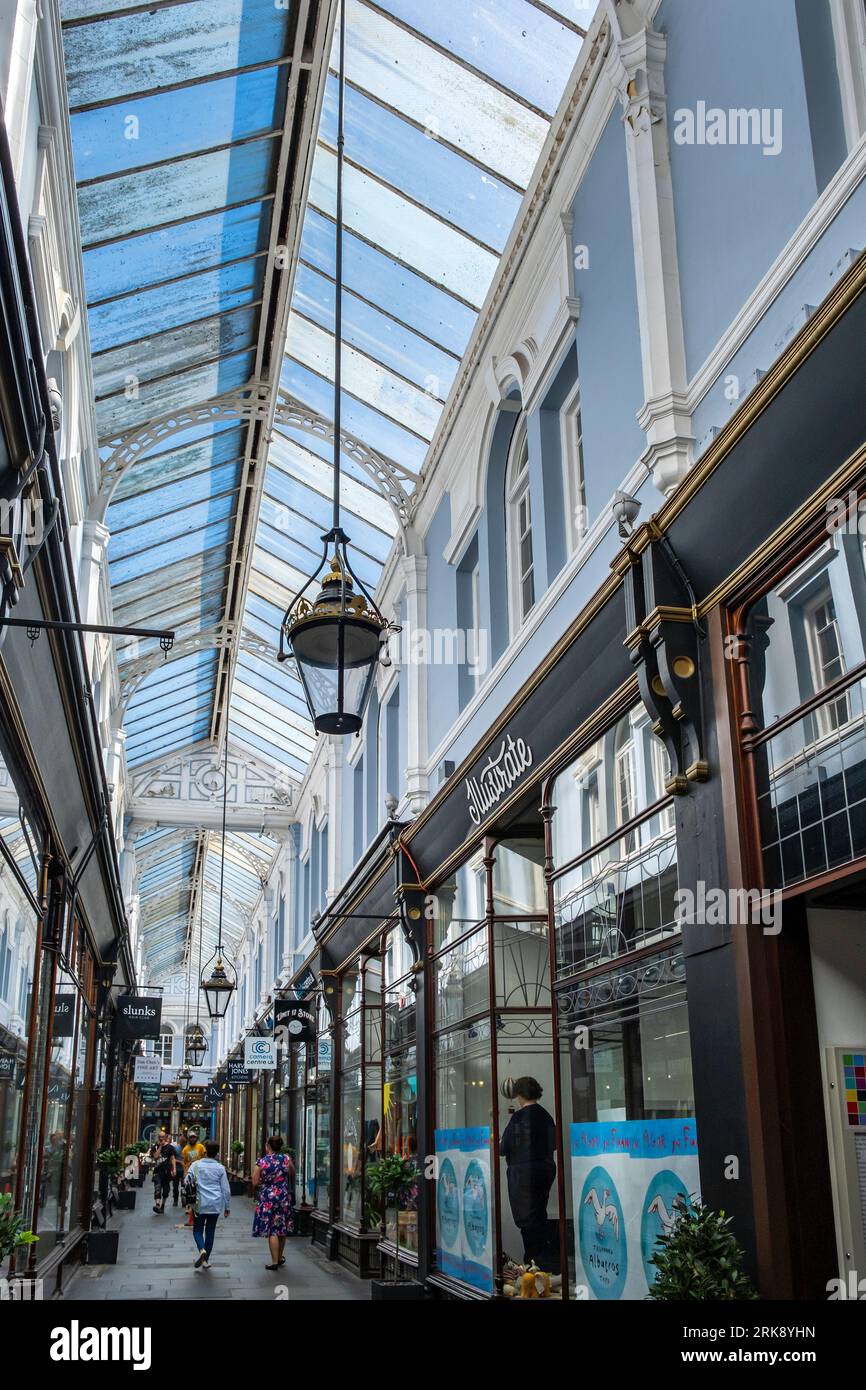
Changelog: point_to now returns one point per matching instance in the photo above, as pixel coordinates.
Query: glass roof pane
(426, 170)
(156, 310)
(445, 256)
(176, 192)
(119, 413)
(441, 96)
(504, 39)
(370, 272)
(383, 435)
(171, 253)
(176, 123)
(171, 45)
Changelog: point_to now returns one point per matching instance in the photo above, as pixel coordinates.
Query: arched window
(518, 511)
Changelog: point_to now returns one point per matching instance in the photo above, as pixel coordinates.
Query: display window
(492, 1028)
(628, 1135)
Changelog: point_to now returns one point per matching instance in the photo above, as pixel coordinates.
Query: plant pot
(102, 1247)
(237, 1187)
(126, 1199)
(384, 1289)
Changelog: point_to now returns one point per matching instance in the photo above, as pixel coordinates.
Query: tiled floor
(156, 1253)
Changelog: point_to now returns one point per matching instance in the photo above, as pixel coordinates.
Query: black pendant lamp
(336, 637)
(196, 1044)
(219, 980)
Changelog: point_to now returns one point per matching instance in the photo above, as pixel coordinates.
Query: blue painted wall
(608, 337)
(735, 207)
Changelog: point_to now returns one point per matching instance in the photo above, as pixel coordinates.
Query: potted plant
(12, 1237)
(393, 1180)
(132, 1170)
(102, 1243)
(698, 1257)
(237, 1185)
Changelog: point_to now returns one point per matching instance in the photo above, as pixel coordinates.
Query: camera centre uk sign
(497, 776)
(260, 1054)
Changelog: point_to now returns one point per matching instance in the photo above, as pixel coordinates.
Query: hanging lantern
(196, 1046)
(336, 642)
(336, 639)
(183, 1081)
(218, 988)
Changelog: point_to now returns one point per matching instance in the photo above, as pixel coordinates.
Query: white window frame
(517, 489)
(827, 723)
(573, 474)
(849, 36)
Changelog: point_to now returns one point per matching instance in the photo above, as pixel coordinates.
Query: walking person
(178, 1167)
(163, 1173)
(207, 1186)
(190, 1153)
(274, 1181)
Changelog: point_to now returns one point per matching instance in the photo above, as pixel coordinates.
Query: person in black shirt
(527, 1146)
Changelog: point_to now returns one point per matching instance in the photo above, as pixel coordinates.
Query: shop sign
(238, 1073)
(148, 1069)
(323, 1055)
(138, 1016)
(295, 1021)
(628, 1181)
(7, 1068)
(260, 1054)
(464, 1213)
(306, 983)
(499, 774)
(150, 1093)
(64, 1015)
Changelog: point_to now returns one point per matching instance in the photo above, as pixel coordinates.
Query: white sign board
(260, 1053)
(464, 1209)
(148, 1069)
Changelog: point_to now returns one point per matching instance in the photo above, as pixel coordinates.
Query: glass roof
(179, 112)
(446, 112)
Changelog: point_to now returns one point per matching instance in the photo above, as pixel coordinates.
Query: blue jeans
(204, 1230)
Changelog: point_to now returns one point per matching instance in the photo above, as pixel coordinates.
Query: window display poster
(628, 1180)
(464, 1205)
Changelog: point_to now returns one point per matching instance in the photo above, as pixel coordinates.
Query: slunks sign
(138, 1016)
(498, 775)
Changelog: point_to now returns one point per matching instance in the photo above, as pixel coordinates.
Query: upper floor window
(826, 660)
(574, 487)
(521, 568)
(162, 1047)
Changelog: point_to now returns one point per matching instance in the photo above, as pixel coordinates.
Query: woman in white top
(212, 1196)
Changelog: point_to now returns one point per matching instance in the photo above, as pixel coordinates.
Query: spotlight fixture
(625, 509)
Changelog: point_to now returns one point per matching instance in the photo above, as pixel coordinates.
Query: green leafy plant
(237, 1147)
(12, 1236)
(699, 1258)
(110, 1161)
(393, 1180)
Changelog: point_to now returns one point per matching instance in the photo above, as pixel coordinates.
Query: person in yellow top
(192, 1150)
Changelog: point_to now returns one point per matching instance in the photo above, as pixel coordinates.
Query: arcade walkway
(155, 1261)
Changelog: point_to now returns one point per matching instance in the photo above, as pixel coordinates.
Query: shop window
(626, 1088)
(808, 754)
(614, 849)
(521, 566)
(360, 1090)
(162, 1047)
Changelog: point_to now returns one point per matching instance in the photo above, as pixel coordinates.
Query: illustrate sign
(148, 1069)
(260, 1054)
(464, 1208)
(295, 1021)
(138, 1016)
(64, 1015)
(629, 1180)
(498, 775)
(238, 1073)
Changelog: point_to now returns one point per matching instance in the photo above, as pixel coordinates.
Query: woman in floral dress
(274, 1179)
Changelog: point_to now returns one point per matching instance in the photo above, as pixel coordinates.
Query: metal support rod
(338, 266)
(54, 624)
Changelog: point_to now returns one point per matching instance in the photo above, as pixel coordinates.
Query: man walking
(208, 1181)
(191, 1152)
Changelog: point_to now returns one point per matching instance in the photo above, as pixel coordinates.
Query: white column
(94, 550)
(415, 683)
(334, 796)
(638, 74)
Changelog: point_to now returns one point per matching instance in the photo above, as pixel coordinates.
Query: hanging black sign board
(239, 1074)
(138, 1016)
(7, 1068)
(64, 1015)
(297, 1019)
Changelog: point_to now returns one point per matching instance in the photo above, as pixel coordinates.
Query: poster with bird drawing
(630, 1178)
